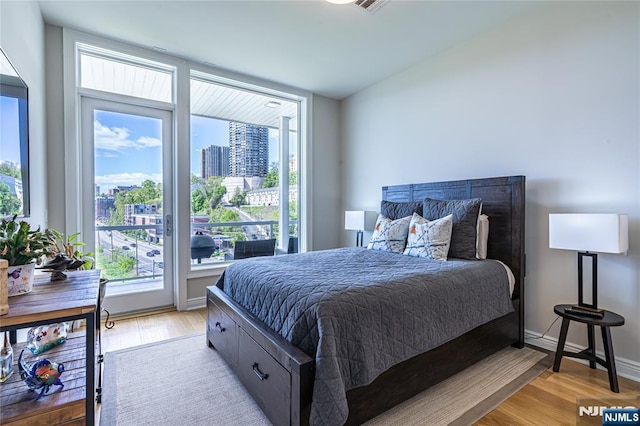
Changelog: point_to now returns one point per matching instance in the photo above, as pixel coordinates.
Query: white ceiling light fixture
(272, 104)
(341, 1)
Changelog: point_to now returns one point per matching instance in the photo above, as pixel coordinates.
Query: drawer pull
(219, 327)
(259, 373)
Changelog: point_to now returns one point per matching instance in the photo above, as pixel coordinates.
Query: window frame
(301, 102)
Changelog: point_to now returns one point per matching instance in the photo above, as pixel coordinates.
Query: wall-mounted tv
(14, 141)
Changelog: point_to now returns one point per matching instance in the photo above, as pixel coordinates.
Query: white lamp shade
(360, 220)
(604, 233)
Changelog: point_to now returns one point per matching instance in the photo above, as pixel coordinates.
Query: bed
(281, 376)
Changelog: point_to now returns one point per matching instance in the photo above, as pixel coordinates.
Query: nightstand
(610, 319)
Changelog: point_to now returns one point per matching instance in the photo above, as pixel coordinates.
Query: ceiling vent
(371, 6)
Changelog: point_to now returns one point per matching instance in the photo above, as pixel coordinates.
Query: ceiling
(331, 50)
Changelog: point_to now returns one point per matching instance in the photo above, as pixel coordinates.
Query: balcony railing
(135, 252)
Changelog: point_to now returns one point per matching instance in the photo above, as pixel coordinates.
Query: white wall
(553, 95)
(325, 154)
(22, 38)
(55, 128)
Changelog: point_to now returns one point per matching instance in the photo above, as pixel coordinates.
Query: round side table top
(610, 319)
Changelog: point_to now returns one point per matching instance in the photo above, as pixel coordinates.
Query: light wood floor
(548, 400)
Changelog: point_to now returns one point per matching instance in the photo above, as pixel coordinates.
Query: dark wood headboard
(502, 200)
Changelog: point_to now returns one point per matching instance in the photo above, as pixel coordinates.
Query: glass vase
(6, 359)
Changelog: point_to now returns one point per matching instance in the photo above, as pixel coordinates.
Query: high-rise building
(214, 161)
(248, 150)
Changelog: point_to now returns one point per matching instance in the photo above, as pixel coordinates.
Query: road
(147, 265)
(259, 231)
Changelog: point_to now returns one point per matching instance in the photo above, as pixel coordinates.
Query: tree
(149, 192)
(9, 203)
(271, 180)
(239, 198)
(206, 195)
(10, 169)
(199, 202)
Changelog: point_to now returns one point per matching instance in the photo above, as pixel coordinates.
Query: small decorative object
(6, 359)
(45, 337)
(4, 288)
(40, 375)
(21, 247)
(67, 256)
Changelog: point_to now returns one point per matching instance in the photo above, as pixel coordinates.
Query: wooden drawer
(267, 380)
(222, 332)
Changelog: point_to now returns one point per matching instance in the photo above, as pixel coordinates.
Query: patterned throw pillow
(390, 235)
(429, 238)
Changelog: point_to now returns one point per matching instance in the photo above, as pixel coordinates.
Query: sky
(128, 147)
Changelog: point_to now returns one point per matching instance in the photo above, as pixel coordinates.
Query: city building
(240, 184)
(131, 210)
(104, 207)
(214, 161)
(248, 150)
(154, 235)
(270, 196)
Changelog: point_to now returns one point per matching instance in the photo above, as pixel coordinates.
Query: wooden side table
(53, 302)
(610, 319)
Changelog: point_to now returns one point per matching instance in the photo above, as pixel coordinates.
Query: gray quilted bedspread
(359, 312)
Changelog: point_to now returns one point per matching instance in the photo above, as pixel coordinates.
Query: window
(239, 139)
(114, 72)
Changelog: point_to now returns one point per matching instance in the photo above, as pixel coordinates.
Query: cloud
(125, 179)
(119, 138)
(148, 142)
(107, 155)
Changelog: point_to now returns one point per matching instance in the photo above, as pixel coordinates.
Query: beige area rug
(183, 382)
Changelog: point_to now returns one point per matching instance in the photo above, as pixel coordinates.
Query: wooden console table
(52, 302)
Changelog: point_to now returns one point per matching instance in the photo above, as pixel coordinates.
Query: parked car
(133, 244)
(125, 247)
(151, 253)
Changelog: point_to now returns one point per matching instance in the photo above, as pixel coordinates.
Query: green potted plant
(23, 248)
(65, 255)
(69, 247)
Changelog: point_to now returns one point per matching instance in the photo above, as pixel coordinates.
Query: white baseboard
(625, 367)
(196, 303)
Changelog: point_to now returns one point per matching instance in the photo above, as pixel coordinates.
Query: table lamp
(588, 233)
(360, 220)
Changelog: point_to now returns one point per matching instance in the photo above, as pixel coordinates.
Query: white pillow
(483, 236)
(429, 238)
(390, 235)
